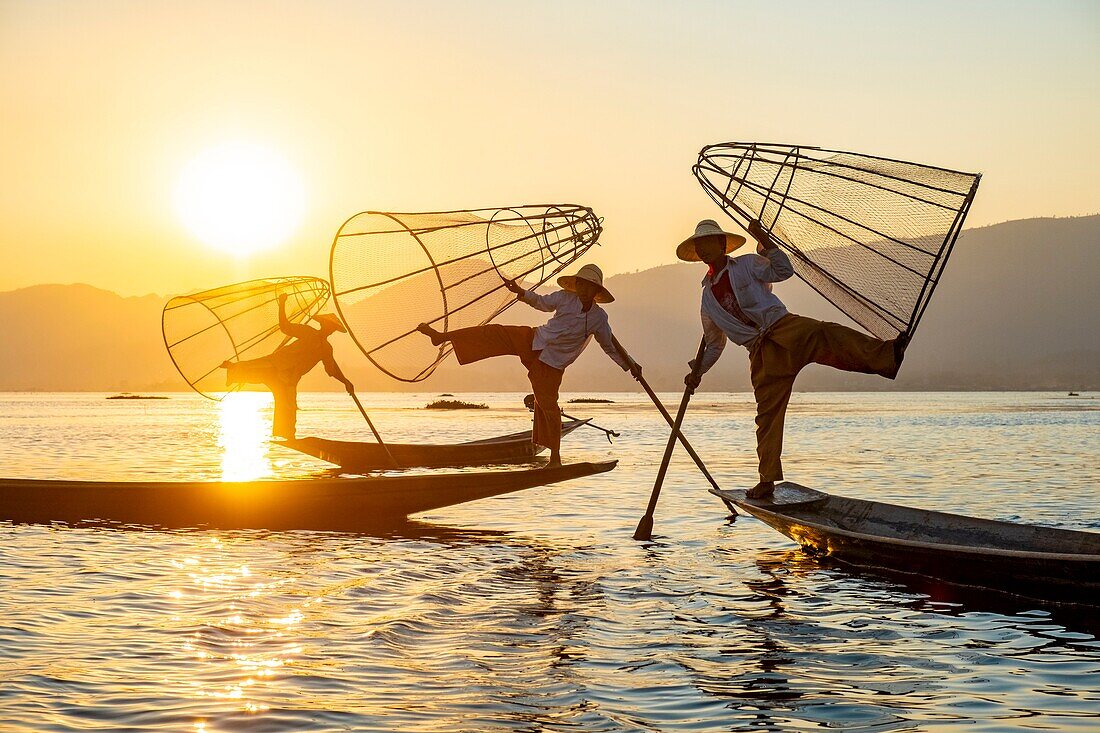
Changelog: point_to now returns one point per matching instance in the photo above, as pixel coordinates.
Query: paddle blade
(644, 532)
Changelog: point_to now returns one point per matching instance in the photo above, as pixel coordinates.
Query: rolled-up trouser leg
(545, 383)
(483, 342)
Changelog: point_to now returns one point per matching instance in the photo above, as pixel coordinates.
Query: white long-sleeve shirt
(564, 337)
(750, 276)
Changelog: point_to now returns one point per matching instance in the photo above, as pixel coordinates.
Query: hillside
(1018, 308)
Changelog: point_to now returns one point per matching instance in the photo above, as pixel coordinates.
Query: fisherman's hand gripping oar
(668, 418)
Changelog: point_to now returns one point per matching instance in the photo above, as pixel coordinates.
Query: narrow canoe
(511, 448)
(1042, 563)
(337, 504)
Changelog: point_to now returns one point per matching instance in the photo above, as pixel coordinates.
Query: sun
(240, 198)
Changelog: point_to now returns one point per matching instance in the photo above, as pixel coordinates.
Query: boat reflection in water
(244, 431)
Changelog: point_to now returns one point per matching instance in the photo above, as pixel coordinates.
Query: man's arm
(548, 303)
(716, 343)
(606, 340)
(296, 330)
(774, 266)
(333, 370)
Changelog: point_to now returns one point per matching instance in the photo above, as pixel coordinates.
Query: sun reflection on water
(243, 436)
(259, 644)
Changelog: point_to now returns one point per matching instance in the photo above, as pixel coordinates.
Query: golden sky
(421, 106)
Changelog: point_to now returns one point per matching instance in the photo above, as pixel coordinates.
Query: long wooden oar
(373, 429)
(668, 418)
(644, 530)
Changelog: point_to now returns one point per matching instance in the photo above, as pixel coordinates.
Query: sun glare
(243, 435)
(240, 198)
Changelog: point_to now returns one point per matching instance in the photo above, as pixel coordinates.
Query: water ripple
(536, 612)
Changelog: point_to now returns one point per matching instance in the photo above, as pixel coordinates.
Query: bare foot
(436, 337)
(762, 490)
(554, 462)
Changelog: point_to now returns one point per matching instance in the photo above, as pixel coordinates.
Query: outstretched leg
(846, 348)
(483, 342)
(251, 371)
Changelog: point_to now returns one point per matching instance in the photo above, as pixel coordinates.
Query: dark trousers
(483, 342)
(776, 358)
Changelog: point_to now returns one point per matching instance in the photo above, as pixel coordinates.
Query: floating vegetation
(590, 401)
(128, 396)
(455, 405)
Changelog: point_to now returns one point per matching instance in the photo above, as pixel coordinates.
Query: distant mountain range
(1018, 308)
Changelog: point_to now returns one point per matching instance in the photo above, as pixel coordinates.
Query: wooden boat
(339, 504)
(512, 448)
(1042, 563)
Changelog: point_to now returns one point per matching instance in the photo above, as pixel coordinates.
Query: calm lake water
(536, 611)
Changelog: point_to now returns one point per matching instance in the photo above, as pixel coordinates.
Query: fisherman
(738, 304)
(281, 370)
(547, 350)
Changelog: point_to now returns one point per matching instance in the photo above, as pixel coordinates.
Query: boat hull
(356, 456)
(336, 504)
(1042, 563)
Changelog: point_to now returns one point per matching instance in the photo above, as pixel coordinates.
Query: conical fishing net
(392, 271)
(871, 234)
(234, 322)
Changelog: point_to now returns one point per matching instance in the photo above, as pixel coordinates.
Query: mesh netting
(870, 234)
(392, 271)
(234, 322)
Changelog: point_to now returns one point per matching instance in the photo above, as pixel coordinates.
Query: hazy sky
(420, 106)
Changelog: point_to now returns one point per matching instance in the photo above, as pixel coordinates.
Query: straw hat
(592, 274)
(330, 319)
(706, 228)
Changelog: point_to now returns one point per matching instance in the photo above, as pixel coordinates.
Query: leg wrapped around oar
(546, 381)
(484, 342)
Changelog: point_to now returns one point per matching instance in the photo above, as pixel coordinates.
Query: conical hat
(706, 228)
(592, 274)
(330, 319)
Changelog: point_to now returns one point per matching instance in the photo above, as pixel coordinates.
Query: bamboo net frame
(391, 271)
(233, 322)
(870, 234)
